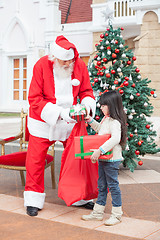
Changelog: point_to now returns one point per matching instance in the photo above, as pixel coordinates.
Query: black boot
(32, 211)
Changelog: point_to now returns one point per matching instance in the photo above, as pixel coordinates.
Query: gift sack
(78, 178)
(83, 144)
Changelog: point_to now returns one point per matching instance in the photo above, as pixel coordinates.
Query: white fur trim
(90, 104)
(34, 199)
(50, 113)
(60, 132)
(81, 202)
(75, 82)
(62, 53)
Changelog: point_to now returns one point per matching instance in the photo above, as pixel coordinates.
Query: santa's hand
(64, 114)
(90, 105)
(96, 154)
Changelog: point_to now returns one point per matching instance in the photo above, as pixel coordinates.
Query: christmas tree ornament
(139, 76)
(105, 60)
(123, 55)
(106, 34)
(98, 105)
(152, 92)
(97, 117)
(129, 62)
(130, 77)
(139, 143)
(101, 47)
(133, 85)
(121, 45)
(119, 80)
(114, 55)
(137, 152)
(96, 80)
(131, 97)
(116, 50)
(125, 83)
(119, 70)
(138, 94)
(132, 110)
(121, 91)
(113, 71)
(134, 58)
(109, 52)
(155, 95)
(147, 126)
(98, 58)
(107, 42)
(130, 117)
(137, 70)
(108, 75)
(126, 78)
(131, 135)
(102, 35)
(116, 82)
(140, 163)
(135, 131)
(145, 104)
(116, 42)
(113, 87)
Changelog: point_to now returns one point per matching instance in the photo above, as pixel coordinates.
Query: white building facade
(28, 27)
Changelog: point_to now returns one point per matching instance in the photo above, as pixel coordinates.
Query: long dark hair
(113, 100)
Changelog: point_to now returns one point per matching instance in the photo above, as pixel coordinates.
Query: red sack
(78, 178)
(83, 144)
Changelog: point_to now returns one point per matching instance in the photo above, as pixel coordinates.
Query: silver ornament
(145, 104)
(107, 42)
(130, 117)
(109, 52)
(139, 76)
(131, 97)
(119, 69)
(123, 55)
(155, 95)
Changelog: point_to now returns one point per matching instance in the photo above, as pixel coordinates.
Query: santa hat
(63, 49)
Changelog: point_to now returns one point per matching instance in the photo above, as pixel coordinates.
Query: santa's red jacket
(44, 113)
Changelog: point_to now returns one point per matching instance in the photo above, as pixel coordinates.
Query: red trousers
(35, 163)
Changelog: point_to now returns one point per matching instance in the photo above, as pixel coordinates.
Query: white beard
(63, 71)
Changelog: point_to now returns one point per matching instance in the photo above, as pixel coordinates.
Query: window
(20, 78)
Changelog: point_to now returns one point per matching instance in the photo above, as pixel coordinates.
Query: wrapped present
(78, 112)
(83, 144)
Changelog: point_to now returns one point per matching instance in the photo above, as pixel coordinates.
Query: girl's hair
(113, 100)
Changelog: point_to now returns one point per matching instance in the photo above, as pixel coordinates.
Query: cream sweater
(109, 126)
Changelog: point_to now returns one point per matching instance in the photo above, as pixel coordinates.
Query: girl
(114, 123)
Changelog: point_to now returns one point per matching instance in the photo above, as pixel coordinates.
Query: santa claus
(59, 79)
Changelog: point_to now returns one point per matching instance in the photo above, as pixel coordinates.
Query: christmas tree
(113, 68)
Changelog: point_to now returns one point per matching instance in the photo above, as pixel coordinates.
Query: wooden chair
(16, 160)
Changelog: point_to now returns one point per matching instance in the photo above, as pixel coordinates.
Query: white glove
(90, 105)
(64, 114)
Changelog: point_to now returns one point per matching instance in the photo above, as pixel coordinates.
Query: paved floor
(141, 207)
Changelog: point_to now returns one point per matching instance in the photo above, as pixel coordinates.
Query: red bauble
(138, 94)
(147, 126)
(99, 63)
(122, 28)
(116, 50)
(108, 48)
(102, 35)
(134, 58)
(100, 40)
(131, 135)
(152, 92)
(133, 85)
(121, 91)
(113, 71)
(96, 45)
(126, 78)
(137, 152)
(106, 34)
(105, 60)
(116, 42)
(137, 70)
(108, 75)
(116, 82)
(140, 163)
(97, 117)
(101, 73)
(108, 29)
(92, 84)
(129, 62)
(96, 80)
(125, 83)
(140, 143)
(114, 55)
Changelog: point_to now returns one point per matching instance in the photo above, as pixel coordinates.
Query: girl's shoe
(96, 214)
(115, 217)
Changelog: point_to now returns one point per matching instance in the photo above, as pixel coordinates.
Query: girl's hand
(96, 154)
